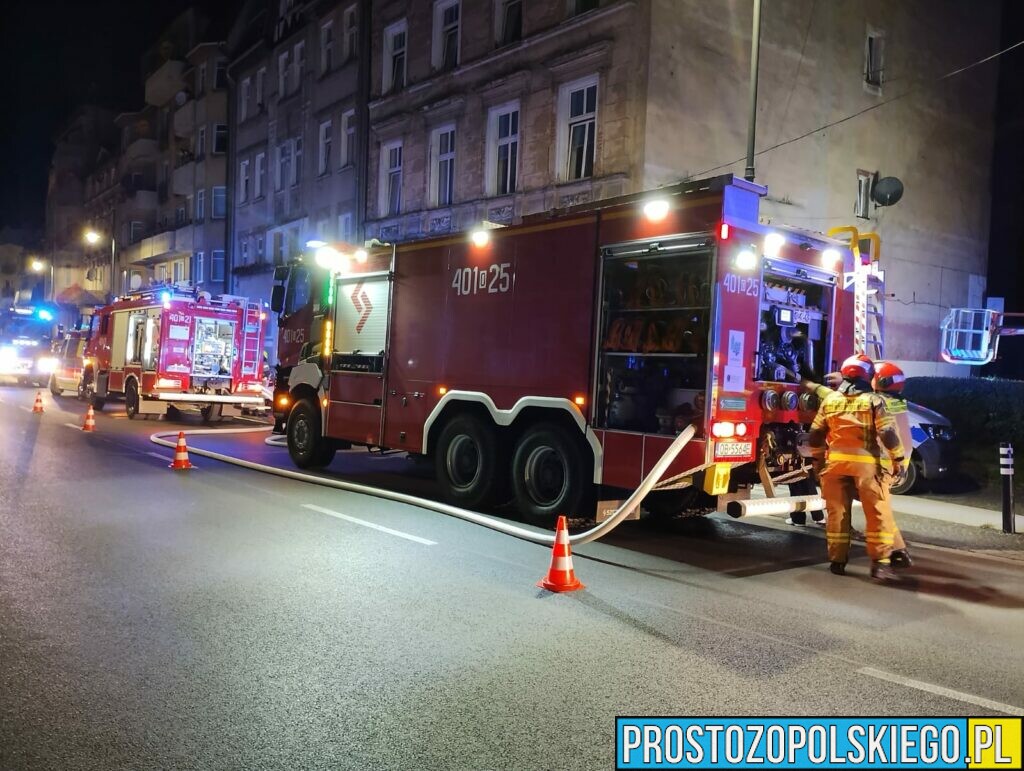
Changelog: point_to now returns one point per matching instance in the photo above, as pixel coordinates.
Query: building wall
(555, 49)
(937, 139)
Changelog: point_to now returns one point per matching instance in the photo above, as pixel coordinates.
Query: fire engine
(560, 357)
(169, 346)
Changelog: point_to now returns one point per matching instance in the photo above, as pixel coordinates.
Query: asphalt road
(210, 619)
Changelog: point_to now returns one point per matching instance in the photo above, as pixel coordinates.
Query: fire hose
(502, 526)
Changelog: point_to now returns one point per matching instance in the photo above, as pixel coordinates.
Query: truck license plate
(734, 449)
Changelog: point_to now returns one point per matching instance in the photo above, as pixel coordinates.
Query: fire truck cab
(171, 346)
(549, 358)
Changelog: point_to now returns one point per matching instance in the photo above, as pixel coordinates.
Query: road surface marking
(938, 690)
(23, 407)
(371, 525)
(167, 458)
(73, 425)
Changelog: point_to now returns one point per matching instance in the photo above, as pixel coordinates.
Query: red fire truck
(565, 353)
(170, 346)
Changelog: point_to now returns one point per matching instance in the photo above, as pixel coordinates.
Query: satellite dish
(180, 98)
(887, 191)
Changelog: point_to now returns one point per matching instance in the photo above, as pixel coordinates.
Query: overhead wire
(883, 103)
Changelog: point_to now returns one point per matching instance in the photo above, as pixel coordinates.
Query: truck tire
(469, 464)
(131, 399)
(54, 388)
(548, 474)
(911, 480)
(306, 446)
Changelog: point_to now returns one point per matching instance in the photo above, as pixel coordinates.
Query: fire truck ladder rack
(868, 284)
(183, 291)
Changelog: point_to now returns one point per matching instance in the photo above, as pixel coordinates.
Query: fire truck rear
(556, 360)
(174, 346)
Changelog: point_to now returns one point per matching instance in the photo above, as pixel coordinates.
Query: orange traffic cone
(90, 420)
(38, 406)
(561, 577)
(181, 461)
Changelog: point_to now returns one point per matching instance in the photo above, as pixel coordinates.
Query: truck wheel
(212, 413)
(54, 388)
(911, 480)
(131, 399)
(548, 474)
(307, 447)
(468, 463)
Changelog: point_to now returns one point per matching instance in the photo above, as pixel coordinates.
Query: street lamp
(38, 266)
(92, 238)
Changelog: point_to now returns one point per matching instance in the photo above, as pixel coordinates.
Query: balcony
(183, 177)
(140, 148)
(165, 82)
(185, 119)
(160, 246)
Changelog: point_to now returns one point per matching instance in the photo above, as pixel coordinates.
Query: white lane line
(371, 525)
(938, 690)
(23, 407)
(73, 425)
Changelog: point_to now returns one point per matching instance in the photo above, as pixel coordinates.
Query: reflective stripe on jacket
(897, 407)
(854, 432)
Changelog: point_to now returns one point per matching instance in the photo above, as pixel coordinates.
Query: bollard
(1006, 471)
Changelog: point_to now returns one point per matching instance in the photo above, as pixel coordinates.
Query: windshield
(24, 326)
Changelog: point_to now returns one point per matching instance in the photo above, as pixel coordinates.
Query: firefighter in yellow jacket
(854, 442)
(888, 383)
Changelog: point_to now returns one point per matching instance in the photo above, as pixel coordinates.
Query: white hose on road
(502, 526)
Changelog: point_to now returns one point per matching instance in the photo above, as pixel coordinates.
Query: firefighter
(888, 383)
(851, 437)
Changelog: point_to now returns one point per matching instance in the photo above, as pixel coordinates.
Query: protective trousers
(838, 490)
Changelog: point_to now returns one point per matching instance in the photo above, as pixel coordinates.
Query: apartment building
(488, 111)
(296, 165)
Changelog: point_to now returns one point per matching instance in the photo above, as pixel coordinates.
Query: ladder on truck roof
(867, 281)
(181, 291)
(251, 354)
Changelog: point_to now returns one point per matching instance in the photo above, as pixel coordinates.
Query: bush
(983, 411)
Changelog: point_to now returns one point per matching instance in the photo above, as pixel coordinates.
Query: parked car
(934, 454)
(67, 372)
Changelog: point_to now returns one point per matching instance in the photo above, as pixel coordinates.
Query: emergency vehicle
(565, 353)
(69, 354)
(26, 335)
(170, 346)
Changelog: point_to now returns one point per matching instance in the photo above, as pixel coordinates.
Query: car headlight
(939, 432)
(8, 356)
(46, 364)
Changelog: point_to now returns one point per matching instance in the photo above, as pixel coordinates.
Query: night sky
(58, 55)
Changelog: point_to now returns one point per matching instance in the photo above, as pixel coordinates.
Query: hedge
(983, 411)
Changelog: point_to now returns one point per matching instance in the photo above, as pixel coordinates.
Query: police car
(934, 453)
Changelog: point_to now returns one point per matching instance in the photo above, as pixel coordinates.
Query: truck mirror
(277, 298)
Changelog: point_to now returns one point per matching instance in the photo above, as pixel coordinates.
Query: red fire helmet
(888, 378)
(858, 367)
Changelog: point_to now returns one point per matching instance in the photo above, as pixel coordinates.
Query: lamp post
(92, 238)
(38, 266)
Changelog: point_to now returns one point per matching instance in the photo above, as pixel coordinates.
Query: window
(874, 60)
(261, 78)
(259, 245)
(345, 227)
(284, 164)
(260, 176)
(243, 99)
(445, 50)
(201, 143)
(502, 149)
(244, 250)
(201, 80)
(220, 138)
(220, 74)
(200, 205)
(865, 183)
(323, 158)
(243, 181)
(390, 200)
(282, 75)
(348, 138)
(297, 161)
(442, 148)
(576, 7)
(134, 231)
(326, 46)
(197, 268)
(279, 247)
(220, 195)
(161, 273)
(508, 21)
(349, 24)
(298, 64)
(394, 57)
(179, 216)
(217, 264)
(577, 128)
(178, 271)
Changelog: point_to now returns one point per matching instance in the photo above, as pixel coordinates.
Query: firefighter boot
(837, 568)
(882, 572)
(900, 559)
